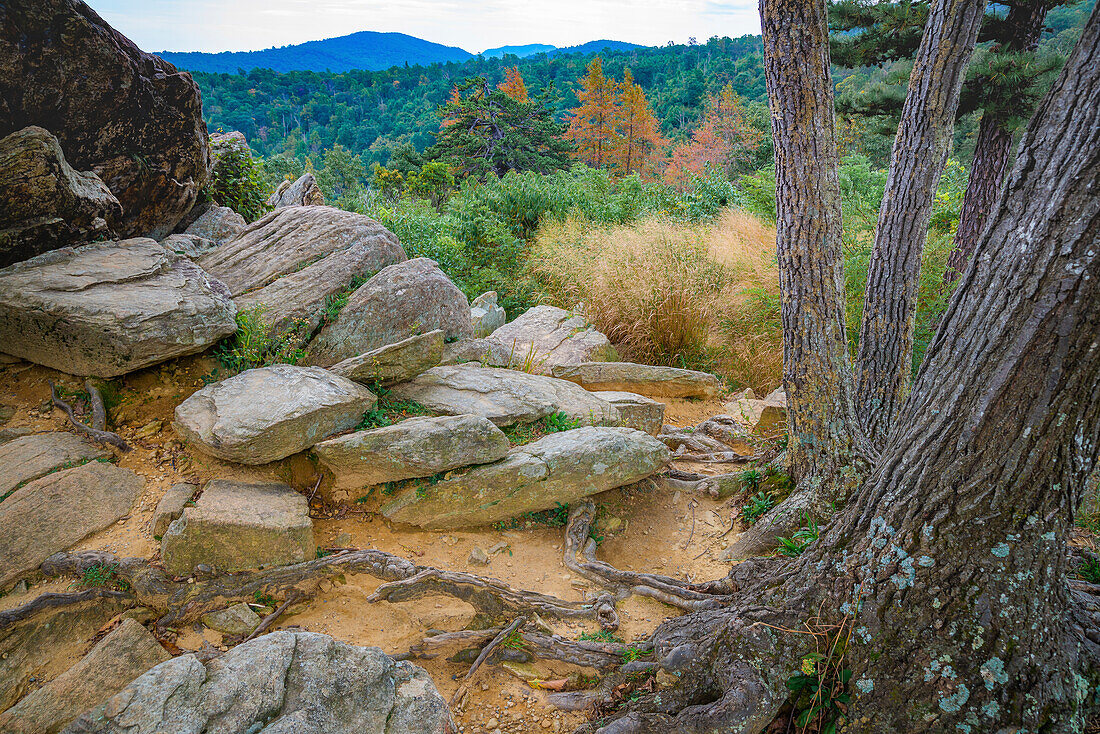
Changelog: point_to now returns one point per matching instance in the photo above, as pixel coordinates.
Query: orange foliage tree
(513, 85)
(724, 140)
(453, 102)
(640, 142)
(593, 126)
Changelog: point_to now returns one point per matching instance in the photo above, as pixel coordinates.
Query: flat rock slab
(171, 506)
(124, 654)
(110, 308)
(269, 413)
(283, 681)
(34, 456)
(238, 619)
(59, 510)
(287, 263)
(561, 467)
(503, 396)
(235, 525)
(636, 411)
(394, 362)
(543, 337)
(416, 447)
(402, 300)
(644, 379)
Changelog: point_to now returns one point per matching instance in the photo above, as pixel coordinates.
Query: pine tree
(592, 126)
(640, 136)
(513, 85)
(724, 140)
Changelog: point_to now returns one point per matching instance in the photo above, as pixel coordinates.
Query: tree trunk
(948, 567)
(884, 363)
(986, 174)
(991, 150)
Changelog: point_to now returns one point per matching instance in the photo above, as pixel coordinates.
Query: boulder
(503, 396)
(303, 192)
(284, 681)
(291, 263)
(392, 363)
(30, 457)
(644, 379)
(109, 308)
(485, 315)
(127, 115)
(218, 223)
(416, 447)
(544, 337)
(238, 619)
(188, 245)
(636, 411)
(57, 511)
(235, 526)
(558, 468)
(402, 300)
(44, 203)
(269, 413)
(124, 654)
(767, 417)
(171, 507)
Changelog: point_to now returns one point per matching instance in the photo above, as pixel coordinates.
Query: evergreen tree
(592, 125)
(493, 133)
(640, 138)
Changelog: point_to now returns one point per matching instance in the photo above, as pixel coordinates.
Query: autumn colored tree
(725, 140)
(593, 125)
(453, 103)
(513, 85)
(640, 140)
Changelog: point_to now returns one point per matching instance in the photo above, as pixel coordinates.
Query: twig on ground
(270, 619)
(97, 435)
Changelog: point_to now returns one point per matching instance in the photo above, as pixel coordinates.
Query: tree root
(458, 700)
(98, 414)
(43, 602)
(600, 656)
(781, 521)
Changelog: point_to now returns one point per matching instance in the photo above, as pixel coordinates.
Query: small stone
(499, 548)
(7, 412)
(478, 557)
(492, 723)
(150, 429)
(238, 619)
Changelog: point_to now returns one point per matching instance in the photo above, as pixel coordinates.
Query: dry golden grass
(700, 296)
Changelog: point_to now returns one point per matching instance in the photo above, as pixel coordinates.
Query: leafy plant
(751, 478)
(820, 693)
(237, 181)
(256, 343)
(388, 411)
(602, 636)
(105, 575)
(556, 517)
(521, 433)
(633, 652)
(264, 599)
(757, 505)
(1090, 570)
(800, 540)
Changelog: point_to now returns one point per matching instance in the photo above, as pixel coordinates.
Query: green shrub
(238, 182)
(256, 344)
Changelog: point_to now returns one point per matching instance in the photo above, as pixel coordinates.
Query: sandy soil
(642, 529)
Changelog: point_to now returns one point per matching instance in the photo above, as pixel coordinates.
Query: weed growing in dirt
(757, 505)
(105, 575)
(523, 433)
(257, 344)
(557, 517)
(1090, 570)
(602, 636)
(388, 411)
(800, 540)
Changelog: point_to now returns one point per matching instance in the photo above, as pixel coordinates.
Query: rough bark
(993, 146)
(949, 564)
(827, 452)
(884, 362)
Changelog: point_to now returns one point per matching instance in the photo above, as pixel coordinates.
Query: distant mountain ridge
(369, 50)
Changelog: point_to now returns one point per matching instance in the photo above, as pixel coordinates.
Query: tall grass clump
(697, 295)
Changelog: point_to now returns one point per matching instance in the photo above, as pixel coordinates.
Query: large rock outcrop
(127, 115)
(396, 362)
(109, 308)
(218, 223)
(645, 379)
(289, 262)
(540, 339)
(503, 396)
(29, 457)
(268, 413)
(53, 513)
(402, 300)
(44, 203)
(559, 468)
(303, 192)
(280, 682)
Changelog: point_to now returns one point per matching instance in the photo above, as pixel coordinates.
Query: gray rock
(31, 457)
(218, 223)
(402, 300)
(269, 413)
(394, 362)
(544, 337)
(110, 308)
(416, 447)
(561, 467)
(635, 411)
(238, 619)
(44, 203)
(171, 507)
(503, 396)
(130, 116)
(478, 557)
(302, 192)
(188, 245)
(288, 263)
(10, 434)
(127, 652)
(235, 525)
(767, 417)
(280, 682)
(644, 379)
(59, 510)
(486, 315)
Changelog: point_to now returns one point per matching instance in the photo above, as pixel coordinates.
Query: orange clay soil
(653, 529)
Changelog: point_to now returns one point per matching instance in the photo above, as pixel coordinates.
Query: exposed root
(458, 700)
(781, 521)
(99, 411)
(600, 656)
(42, 602)
(96, 434)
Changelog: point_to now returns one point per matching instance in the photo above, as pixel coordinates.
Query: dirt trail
(650, 529)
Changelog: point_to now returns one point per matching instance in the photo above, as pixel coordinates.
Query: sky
(249, 25)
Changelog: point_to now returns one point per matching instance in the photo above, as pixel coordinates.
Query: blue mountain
(521, 51)
(595, 47)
